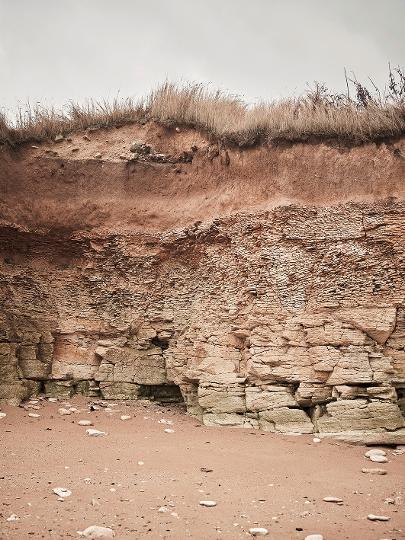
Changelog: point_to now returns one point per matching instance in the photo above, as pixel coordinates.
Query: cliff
(264, 284)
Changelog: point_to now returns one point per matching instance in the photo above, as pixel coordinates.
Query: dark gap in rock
(160, 343)
(163, 393)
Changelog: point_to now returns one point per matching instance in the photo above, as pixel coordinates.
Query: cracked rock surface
(289, 319)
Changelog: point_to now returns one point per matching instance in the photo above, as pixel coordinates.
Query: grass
(365, 116)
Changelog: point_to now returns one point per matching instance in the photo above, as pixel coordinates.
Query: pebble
(95, 531)
(95, 433)
(208, 504)
(375, 452)
(333, 500)
(64, 412)
(316, 440)
(33, 415)
(372, 517)
(13, 517)
(125, 417)
(85, 423)
(62, 492)
(53, 400)
(314, 537)
(374, 471)
(258, 531)
(98, 155)
(3, 414)
(168, 430)
(377, 458)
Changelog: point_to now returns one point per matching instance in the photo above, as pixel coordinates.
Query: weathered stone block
(312, 394)
(268, 397)
(223, 394)
(360, 415)
(377, 322)
(225, 419)
(33, 365)
(119, 390)
(129, 365)
(14, 393)
(284, 420)
(62, 389)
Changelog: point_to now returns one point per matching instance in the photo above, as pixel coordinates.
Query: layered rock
(149, 277)
(290, 321)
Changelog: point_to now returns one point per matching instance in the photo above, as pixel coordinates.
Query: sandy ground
(122, 479)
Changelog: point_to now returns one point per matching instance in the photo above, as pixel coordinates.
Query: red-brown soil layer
(255, 477)
(64, 185)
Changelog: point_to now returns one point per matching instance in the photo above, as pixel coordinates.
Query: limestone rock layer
(289, 320)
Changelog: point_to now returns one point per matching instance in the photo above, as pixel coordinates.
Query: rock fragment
(138, 147)
(95, 433)
(314, 537)
(13, 517)
(125, 417)
(374, 471)
(258, 531)
(85, 423)
(373, 517)
(64, 412)
(336, 500)
(62, 492)
(378, 458)
(375, 452)
(208, 504)
(95, 531)
(34, 415)
(2, 415)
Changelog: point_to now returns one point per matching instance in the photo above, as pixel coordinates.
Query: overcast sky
(56, 50)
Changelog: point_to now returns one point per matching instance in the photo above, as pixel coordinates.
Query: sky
(53, 51)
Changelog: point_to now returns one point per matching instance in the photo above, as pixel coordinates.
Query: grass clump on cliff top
(366, 115)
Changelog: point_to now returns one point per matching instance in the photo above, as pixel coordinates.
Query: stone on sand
(94, 433)
(375, 452)
(373, 517)
(258, 531)
(374, 471)
(208, 504)
(336, 500)
(62, 492)
(85, 423)
(95, 531)
(377, 458)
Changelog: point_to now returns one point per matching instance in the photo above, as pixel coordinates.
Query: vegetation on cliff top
(360, 115)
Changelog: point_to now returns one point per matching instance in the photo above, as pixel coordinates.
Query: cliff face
(195, 267)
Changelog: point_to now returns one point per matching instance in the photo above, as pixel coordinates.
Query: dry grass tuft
(366, 117)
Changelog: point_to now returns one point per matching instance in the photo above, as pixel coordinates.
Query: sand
(122, 479)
